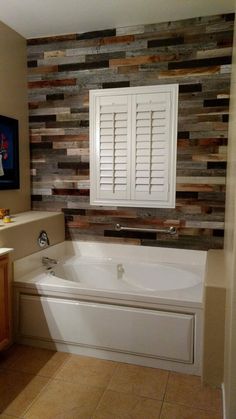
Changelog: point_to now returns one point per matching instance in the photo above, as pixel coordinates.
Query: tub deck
(41, 280)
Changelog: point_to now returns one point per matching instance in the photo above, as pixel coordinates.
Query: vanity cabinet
(5, 329)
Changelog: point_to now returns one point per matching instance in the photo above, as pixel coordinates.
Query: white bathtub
(128, 303)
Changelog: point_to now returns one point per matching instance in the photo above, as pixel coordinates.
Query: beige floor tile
(187, 390)
(116, 405)
(174, 411)
(39, 361)
(86, 370)
(65, 401)
(142, 381)
(18, 390)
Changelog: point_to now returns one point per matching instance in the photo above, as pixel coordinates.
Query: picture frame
(9, 153)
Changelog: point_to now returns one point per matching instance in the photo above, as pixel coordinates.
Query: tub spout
(120, 271)
(49, 262)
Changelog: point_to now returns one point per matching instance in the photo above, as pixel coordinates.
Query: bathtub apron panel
(152, 333)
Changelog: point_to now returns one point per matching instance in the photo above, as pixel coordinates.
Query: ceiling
(34, 18)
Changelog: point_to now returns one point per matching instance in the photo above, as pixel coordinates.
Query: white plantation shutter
(151, 129)
(113, 128)
(133, 134)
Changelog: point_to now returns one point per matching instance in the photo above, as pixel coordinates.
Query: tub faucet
(48, 262)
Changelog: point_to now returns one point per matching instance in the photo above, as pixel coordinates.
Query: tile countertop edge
(5, 250)
(27, 217)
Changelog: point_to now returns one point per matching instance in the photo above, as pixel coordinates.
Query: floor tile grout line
(162, 404)
(120, 392)
(11, 369)
(167, 381)
(106, 388)
(32, 374)
(142, 396)
(61, 366)
(114, 372)
(193, 407)
(36, 398)
(50, 379)
(188, 407)
(163, 400)
(99, 401)
(53, 377)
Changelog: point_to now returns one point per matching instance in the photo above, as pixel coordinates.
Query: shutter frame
(132, 197)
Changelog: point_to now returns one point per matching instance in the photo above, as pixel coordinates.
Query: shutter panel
(152, 117)
(150, 146)
(112, 147)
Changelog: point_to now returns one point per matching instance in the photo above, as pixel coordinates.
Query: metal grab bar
(171, 230)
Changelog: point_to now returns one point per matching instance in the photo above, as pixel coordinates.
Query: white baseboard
(223, 398)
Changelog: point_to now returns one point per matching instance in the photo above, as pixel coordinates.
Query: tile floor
(37, 383)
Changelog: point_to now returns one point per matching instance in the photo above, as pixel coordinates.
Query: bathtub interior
(109, 273)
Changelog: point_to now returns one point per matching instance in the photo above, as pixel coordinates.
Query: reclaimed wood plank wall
(196, 53)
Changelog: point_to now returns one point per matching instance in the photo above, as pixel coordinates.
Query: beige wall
(214, 320)
(230, 257)
(13, 103)
(22, 234)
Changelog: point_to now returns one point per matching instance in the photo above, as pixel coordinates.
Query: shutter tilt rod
(171, 230)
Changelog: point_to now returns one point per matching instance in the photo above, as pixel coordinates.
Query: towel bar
(171, 230)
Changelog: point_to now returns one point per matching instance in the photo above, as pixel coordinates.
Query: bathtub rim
(73, 291)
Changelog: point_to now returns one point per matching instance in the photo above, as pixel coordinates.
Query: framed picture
(9, 153)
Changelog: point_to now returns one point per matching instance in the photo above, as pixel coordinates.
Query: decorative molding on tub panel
(196, 54)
